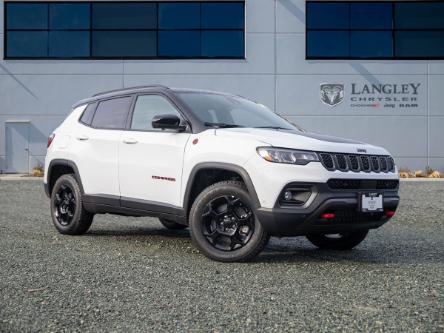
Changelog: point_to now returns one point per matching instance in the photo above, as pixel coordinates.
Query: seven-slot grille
(357, 163)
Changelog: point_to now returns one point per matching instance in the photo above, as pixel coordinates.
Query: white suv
(228, 168)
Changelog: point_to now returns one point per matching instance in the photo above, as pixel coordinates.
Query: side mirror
(168, 121)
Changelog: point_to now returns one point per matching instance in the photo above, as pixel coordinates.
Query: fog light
(288, 196)
(297, 195)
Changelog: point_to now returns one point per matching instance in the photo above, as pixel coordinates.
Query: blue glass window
(65, 16)
(118, 29)
(179, 43)
(27, 16)
(68, 44)
(324, 15)
(371, 44)
(223, 15)
(419, 15)
(222, 44)
(375, 30)
(371, 16)
(328, 43)
(419, 44)
(27, 44)
(124, 15)
(124, 43)
(176, 15)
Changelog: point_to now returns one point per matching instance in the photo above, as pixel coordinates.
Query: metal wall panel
(291, 60)
(260, 59)
(274, 72)
(392, 132)
(300, 95)
(257, 87)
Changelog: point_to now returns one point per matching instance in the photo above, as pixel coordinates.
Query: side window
(147, 107)
(112, 113)
(88, 114)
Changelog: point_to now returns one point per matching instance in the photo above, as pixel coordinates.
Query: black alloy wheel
(223, 224)
(228, 223)
(64, 205)
(67, 211)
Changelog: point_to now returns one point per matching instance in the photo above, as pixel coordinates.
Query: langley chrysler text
(230, 169)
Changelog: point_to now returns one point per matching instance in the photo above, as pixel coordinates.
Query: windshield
(232, 111)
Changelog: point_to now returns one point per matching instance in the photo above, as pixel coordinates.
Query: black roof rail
(130, 88)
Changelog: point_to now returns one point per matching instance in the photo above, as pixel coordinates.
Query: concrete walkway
(18, 176)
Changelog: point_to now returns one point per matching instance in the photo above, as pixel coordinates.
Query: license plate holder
(371, 202)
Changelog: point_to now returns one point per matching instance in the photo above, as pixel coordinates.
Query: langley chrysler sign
(380, 95)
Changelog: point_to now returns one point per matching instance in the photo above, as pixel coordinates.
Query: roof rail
(130, 88)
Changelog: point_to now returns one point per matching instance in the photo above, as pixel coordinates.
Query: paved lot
(130, 274)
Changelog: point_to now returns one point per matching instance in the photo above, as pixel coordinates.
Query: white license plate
(371, 202)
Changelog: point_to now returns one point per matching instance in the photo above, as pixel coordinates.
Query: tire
(226, 207)
(344, 241)
(172, 225)
(67, 212)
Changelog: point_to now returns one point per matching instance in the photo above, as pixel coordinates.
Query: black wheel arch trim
(65, 163)
(220, 166)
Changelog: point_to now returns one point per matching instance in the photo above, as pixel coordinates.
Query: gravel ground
(130, 274)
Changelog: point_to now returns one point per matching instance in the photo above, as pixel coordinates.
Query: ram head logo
(332, 93)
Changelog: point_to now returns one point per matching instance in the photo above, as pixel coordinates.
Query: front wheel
(223, 225)
(345, 241)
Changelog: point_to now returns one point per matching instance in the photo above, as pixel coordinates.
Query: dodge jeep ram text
(230, 169)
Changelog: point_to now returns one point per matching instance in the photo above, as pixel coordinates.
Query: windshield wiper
(221, 125)
(275, 127)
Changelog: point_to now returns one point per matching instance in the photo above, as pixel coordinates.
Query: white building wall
(275, 72)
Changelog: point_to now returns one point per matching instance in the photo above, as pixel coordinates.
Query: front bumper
(297, 221)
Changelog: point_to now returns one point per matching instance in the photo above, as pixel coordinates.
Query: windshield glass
(232, 111)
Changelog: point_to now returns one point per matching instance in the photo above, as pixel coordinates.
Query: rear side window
(112, 113)
(88, 114)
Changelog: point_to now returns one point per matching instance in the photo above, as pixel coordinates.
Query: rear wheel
(223, 225)
(67, 212)
(345, 241)
(172, 225)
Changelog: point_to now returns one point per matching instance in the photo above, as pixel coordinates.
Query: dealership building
(371, 71)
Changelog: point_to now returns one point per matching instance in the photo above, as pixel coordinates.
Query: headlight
(289, 156)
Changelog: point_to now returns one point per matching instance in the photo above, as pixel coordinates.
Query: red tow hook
(389, 213)
(327, 216)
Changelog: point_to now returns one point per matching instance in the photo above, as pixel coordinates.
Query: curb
(421, 180)
(10, 178)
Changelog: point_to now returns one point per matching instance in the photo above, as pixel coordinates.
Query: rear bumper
(298, 221)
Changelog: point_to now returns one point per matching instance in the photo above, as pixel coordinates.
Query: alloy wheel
(64, 205)
(228, 223)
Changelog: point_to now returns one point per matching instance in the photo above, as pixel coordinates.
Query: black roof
(137, 89)
(130, 90)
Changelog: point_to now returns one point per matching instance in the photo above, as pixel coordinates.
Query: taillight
(50, 139)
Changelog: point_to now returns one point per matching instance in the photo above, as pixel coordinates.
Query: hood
(301, 140)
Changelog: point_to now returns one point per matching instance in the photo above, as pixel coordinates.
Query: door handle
(82, 138)
(130, 141)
